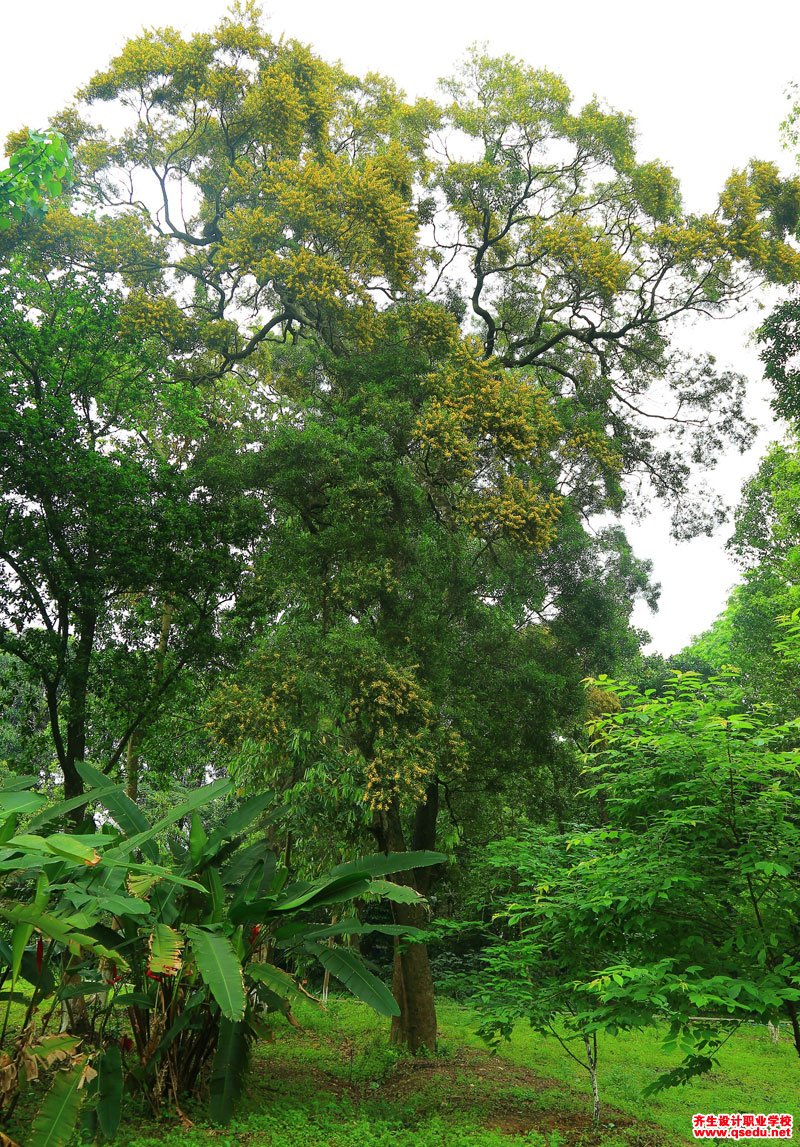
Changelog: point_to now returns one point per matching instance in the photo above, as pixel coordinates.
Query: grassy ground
(337, 1083)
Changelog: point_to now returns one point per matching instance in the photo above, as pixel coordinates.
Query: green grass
(754, 1074)
(338, 1083)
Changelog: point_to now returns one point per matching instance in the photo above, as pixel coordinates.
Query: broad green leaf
(221, 970)
(230, 1061)
(197, 839)
(49, 1044)
(278, 981)
(354, 927)
(114, 798)
(61, 808)
(59, 844)
(20, 802)
(398, 893)
(109, 1090)
(54, 1124)
(386, 864)
(19, 940)
(237, 822)
(61, 928)
(347, 967)
(196, 800)
(324, 891)
(84, 988)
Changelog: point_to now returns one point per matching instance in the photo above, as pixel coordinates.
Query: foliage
(113, 537)
(581, 256)
(765, 545)
(40, 169)
(692, 873)
(183, 944)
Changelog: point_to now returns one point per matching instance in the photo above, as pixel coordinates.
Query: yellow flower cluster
(517, 510)
(586, 442)
(585, 253)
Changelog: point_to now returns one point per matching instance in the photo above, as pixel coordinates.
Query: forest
(340, 803)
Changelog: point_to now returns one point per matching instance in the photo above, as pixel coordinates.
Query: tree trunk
(794, 1020)
(412, 987)
(77, 693)
(591, 1061)
(412, 981)
(132, 765)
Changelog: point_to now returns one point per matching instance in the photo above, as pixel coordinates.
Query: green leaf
(196, 800)
(20, 802)
(230, 1061)
(110, 1089)
(347, 967)
(19, 940)
(61, 808)
(277, 980)
(114, 798)
(386, 864)
(54, 1124)
(354, 927)
(197, 839)
(84, 988)
(237, 822)
(65, 929)
(398, 893)
(221, 970)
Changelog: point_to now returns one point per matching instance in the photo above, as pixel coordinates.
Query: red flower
(153, 976)
(126, 1043)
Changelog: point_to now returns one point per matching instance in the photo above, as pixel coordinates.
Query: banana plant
(183, 931)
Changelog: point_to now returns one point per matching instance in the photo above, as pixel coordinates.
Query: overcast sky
(706, 80)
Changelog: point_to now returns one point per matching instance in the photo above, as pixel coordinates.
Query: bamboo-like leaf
(347, 967)
(109, 1090)
(230, 1061)
(221, 970)
(54, 1124)
(166, 946)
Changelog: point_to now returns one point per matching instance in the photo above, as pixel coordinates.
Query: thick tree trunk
(412, 987)
(412, 981)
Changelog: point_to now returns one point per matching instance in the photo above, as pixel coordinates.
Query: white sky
(706, 80)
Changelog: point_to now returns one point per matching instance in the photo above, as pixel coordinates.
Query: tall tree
(98, 527)
(432, 491)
